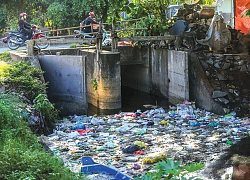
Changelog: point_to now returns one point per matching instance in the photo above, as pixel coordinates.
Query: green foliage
(74, 45)
(193, 167)
(11, 117)
(69, 13)
(21, 156)
(171, 170)
(248, 13)
(94, 84)
(46, 108)
(56, 12)
(3, 20)
(24, 78)
(20, 161)
(5, 56)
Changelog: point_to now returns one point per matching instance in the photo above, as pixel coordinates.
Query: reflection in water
(132, 100)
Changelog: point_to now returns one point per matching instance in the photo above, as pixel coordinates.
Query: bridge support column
(103, 79)
(30, 47)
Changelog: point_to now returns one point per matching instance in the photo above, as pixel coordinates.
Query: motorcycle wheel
(12, 42)
(42, 45)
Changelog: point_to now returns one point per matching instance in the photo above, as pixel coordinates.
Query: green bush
(5, 56)
(46, 108)
(19, 161)
(24, 78)
(21, 155)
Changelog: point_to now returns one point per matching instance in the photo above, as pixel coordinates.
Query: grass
(5, 56)
(21, 154)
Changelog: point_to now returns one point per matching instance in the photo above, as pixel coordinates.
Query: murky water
(132, 100)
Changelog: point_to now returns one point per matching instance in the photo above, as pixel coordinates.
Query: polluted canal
(131, 142)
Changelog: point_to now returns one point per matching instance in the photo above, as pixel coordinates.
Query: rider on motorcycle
(88, 21)
(24, 26)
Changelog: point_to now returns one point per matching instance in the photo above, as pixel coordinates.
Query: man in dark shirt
(89, 21)
(23, 26)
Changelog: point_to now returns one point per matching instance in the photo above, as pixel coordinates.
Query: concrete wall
(145, 69)
(67, 86)
(159, 68)
(160, 72)
(103, 78)
(178, 76)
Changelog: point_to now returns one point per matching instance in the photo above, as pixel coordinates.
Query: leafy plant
(248, 13)
(94, 84)
(24, 78)
(46, 108)
(3, 67)
(74, 45)
(171, 170)
(5, 56)
(20, 161)
(22, 157)
(11, 118)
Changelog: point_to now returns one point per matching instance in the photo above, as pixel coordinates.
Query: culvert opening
(132, 100)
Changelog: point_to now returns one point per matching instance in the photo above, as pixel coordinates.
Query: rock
(218, 94)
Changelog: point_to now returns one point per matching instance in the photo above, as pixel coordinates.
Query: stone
(222, 77)
(217, 65)
(210, 61)
(226, 65)
(217, 94)
(243, 67)
(223, 100)
(204, 64)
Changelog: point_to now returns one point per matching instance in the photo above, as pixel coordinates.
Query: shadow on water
(132, 100)
(235, 155)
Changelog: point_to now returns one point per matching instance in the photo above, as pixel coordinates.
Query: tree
(69, 13)
(152, 12)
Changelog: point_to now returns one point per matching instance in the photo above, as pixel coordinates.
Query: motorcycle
(16, 39)
(105, 36)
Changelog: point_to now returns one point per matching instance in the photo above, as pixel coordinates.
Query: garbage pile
(131, 142)
(201, 28)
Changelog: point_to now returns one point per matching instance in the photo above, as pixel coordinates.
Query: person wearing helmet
(89, 21)
(24, 26)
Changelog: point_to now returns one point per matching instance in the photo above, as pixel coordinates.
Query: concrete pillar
(30, 47)
(103, 79)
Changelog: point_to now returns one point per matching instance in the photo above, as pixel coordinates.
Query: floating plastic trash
(89, 167)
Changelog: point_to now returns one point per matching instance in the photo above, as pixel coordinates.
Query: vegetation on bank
(21, 154)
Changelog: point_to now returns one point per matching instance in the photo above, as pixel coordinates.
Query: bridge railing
(121, 27)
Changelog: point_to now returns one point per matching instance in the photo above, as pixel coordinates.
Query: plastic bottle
(131, 159)
(194, 123)
(141, 131)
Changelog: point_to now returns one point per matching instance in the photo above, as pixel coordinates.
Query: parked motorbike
(16, 39)
(82, 34)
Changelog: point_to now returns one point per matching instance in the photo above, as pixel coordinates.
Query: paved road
(4, 49)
